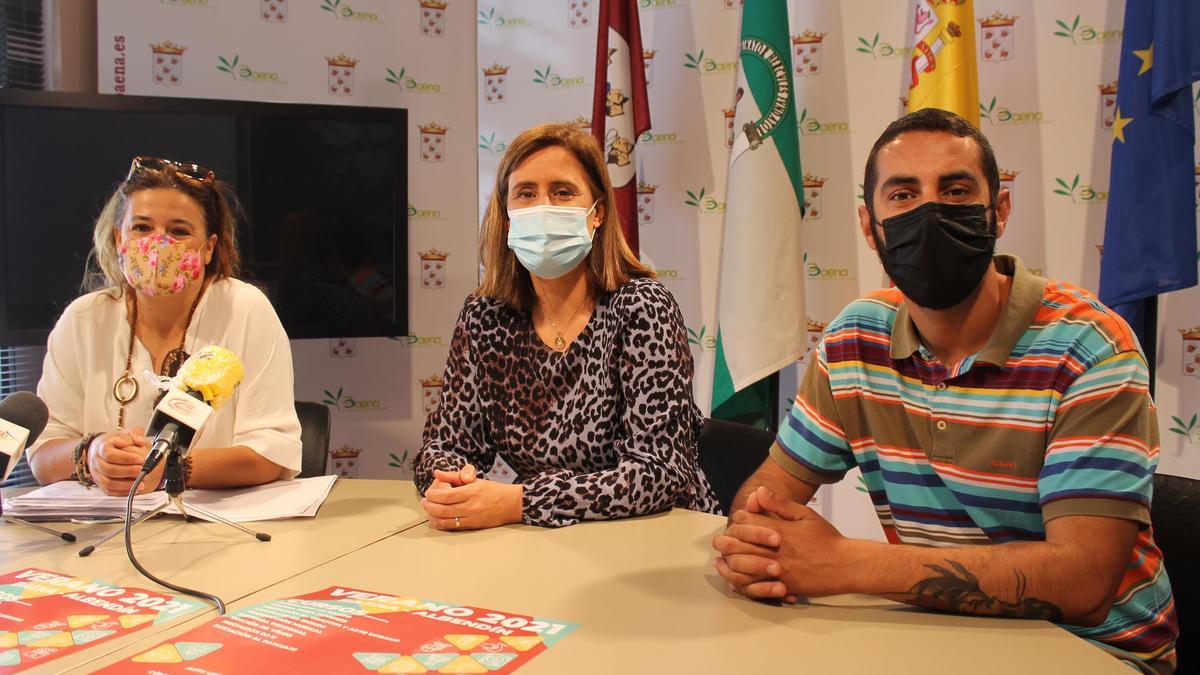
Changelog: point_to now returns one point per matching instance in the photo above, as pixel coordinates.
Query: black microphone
(205, 382)
(23, 417)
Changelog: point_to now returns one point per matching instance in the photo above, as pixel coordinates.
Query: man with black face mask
(1002, 424)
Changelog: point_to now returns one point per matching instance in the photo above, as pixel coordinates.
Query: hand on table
(778, 549)
(460, 500)
(114, 460)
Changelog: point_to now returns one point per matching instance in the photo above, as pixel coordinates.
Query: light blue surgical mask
(550, 240)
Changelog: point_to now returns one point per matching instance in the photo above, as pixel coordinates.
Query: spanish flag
(942, 71)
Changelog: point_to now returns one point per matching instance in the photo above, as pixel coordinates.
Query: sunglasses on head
(193, 171)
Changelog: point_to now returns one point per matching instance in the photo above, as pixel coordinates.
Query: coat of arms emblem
(579, 13)
(431, 393)
(274, 11)
(341, 74)
(1108, 104)
(645, 202)
(345, 461)
(815, 330)
(1191, 351)
(433, 142)
(433, 268)
(433, 18)
(168, 63)
(343, 348)
(813, 187)
(495, 83)
(806, 53)
(996, 37)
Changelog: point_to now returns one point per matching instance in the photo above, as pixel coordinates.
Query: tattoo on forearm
(956, 589)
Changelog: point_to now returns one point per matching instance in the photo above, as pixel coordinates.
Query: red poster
(345, 630)
(44, 615)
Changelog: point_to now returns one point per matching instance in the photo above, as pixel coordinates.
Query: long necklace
(560, 342)
(126, 387)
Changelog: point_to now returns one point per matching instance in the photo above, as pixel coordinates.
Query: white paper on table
(301, 497)
(70, 499)
(297, 498)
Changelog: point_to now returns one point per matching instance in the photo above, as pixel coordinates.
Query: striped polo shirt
(1052, 418)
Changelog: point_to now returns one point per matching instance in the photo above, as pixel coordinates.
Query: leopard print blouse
(606, 429)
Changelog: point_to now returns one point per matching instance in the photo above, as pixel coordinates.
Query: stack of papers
(66, 500)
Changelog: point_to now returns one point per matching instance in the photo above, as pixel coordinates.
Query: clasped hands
(777, 549)
(461, 500)
(115, 459)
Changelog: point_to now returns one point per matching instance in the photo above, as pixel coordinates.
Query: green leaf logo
(868, 47)
(332, 398)
(398, 462)
(227, 66)
(693, 62)
(393, 77)
(1189, 430)
(331, 6)
(485, 19)
(1067, 31)
(1067, 190)
(695, 198)
(542, 77)
(986, 111)
(485, 142)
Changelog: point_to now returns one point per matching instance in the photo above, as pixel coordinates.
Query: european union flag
(1150, 234)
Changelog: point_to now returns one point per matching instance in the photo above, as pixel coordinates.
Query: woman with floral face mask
(163, 267)
(569, 362)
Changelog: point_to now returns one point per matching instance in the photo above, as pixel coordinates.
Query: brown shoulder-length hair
(216, 199)
(609, 264)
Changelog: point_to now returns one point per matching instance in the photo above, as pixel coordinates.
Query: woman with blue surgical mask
(570, 362)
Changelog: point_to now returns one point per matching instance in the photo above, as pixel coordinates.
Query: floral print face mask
(159, 264)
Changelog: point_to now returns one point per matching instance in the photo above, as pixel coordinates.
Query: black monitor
(323, 190)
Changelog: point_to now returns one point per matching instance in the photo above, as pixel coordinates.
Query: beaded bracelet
(80, 457)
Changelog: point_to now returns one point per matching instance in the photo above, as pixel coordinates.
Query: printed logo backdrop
(389, 53)
(1046, 77)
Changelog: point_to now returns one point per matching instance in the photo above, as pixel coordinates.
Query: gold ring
(457, 522)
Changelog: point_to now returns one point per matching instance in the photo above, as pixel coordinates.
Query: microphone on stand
(204, 383)
(23, 417)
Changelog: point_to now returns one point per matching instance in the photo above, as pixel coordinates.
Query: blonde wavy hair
(609, 265)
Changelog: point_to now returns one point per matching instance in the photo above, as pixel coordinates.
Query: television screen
(323, 217)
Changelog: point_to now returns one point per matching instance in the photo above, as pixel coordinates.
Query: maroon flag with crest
(620, 108)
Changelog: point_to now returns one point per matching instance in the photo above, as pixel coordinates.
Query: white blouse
(86, 354)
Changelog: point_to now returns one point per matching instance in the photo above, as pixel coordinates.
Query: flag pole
(1150, 330)
(773, 403)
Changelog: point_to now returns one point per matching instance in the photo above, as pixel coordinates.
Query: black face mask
(938, 253)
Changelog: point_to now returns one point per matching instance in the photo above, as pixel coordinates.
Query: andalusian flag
(942, 73)
(762, 326)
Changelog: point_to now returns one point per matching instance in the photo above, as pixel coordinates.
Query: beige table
(216, 558)
(647, 601)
